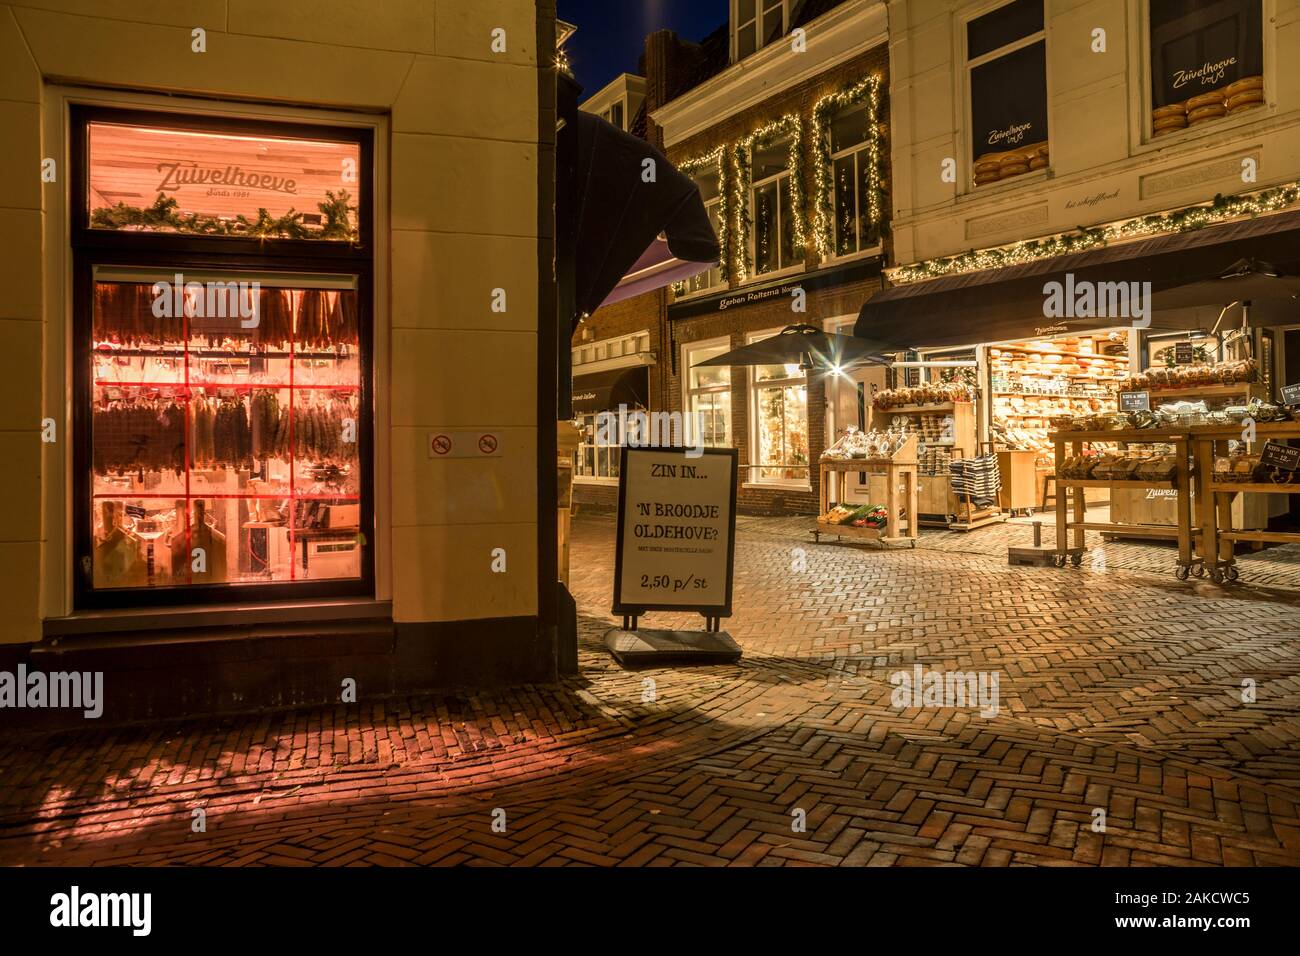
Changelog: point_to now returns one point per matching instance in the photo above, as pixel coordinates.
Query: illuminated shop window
(154, 179)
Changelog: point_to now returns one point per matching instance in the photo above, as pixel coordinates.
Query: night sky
(611, 33)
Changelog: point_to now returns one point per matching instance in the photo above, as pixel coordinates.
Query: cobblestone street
(1120, 691)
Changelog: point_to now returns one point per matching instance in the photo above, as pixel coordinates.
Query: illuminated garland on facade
(824, 111)
(1221, 209)
(742, 160)
(718, 158)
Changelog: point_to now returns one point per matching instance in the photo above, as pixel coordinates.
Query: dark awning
(606, 391)
(620, 214)
(1006, 304)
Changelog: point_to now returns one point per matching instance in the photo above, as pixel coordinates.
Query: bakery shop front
(1065, 339)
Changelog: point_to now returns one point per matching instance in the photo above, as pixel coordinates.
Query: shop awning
(1006, 304)
(624, 203)
(606, 391)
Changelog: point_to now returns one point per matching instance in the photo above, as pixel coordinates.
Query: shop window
(598, 449)
(757, 23)
(850, 179)
(222, 425)
(1007, 77)
(711, 192)
(772, 209)
(1207, 61)
(779, 411)
(708, 396)
(151, 178)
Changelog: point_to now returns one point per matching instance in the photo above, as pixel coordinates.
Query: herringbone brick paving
(1120, 690)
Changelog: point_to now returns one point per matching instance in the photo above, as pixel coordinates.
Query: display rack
(900, 473)
(1249, 511)
(1070, 495)
(937, 504)
(1220, 533)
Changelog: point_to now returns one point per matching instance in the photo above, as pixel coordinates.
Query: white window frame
(968, 92)
(754, 186)
(689, 393)
(716, 271)
(760, 7)
(605, 450)
(855, 152)
(1146, 140)
(755, 386)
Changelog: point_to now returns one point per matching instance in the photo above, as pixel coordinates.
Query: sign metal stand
(675, 551)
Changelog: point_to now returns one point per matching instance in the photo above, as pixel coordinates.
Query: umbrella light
(810, 347)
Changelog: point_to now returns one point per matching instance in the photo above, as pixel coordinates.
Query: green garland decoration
(717, 158)
(1220, 209)
(743, 160)
(164, 215)
(864, 91)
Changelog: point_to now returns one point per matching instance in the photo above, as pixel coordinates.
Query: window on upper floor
(1207, 61)
(772, 210)
(756, 23)
(614, 115)
(706, 179)
(855, 230)
(1006, 66)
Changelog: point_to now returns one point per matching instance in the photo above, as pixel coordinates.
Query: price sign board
(1291, 394)
(1276, 455)
(676, 531)
(1183, 353)
(1135, 401)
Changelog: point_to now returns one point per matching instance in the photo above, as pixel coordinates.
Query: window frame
(228, 254)
(855, 152)
(968, 92)
(689, 392)
(761, 7)
(754, 469)
(754, 185)
(1141, 70)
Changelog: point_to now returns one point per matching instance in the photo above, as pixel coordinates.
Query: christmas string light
(717, 157)
(1220, 209)
(868, 91)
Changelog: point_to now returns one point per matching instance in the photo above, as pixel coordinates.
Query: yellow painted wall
(460, 179)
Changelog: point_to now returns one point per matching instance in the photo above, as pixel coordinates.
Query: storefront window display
(780, 415)
(708, 396)
(1006, 53)
(1207, 61)
(222, 411)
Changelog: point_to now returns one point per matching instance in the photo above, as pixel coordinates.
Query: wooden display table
(1215, 498)
(900, 473)
(1070, 495)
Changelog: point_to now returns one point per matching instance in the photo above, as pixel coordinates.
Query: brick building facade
(701, 98)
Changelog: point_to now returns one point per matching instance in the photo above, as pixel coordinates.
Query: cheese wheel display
(1015, 169)
(1243, 85)
(1173, 109)
(988, 163)
(1205, 99)
(1201, 114)
(1170, 123)
(1038, 162)
(1245, 101)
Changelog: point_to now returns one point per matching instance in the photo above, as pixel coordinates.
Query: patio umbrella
(1249, 283)
(627, 195)
(810, 347)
